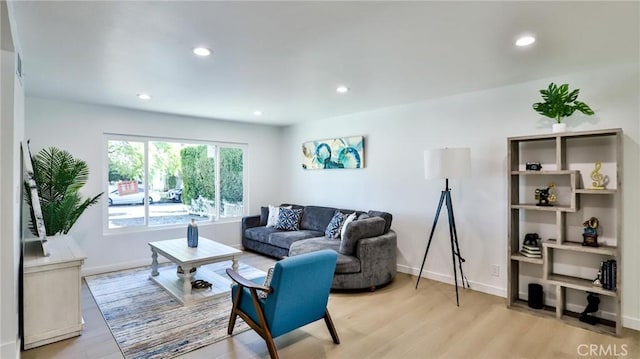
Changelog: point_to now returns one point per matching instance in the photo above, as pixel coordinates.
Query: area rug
(148, 322)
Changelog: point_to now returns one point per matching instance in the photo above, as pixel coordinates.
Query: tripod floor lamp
(447, 163)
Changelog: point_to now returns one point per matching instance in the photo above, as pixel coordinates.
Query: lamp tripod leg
(453, 251)
(454, 239)
(433, 228)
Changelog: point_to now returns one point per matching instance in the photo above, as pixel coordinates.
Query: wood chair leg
(271, 345)
(234, 313)
(331, 327)
(264, 332)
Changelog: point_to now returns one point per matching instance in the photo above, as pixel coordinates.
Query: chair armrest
(245, 282)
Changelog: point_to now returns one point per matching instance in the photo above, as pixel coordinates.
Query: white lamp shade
(447, 163)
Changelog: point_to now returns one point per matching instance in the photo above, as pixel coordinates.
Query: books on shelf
(609, 276)
(531, 251)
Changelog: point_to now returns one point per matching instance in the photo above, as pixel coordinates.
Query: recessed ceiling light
(202, 51)
(144, 96)
(525, 41)
(342, 89)
(257, 113)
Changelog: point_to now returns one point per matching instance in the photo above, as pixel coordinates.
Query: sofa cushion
(260, 234)
(354, 231)
(334, 226)
(283, 239)
(316, 218)
(345, 264)
(289, 219)
(384, 215)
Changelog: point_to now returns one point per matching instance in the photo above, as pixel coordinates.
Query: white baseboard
(10, 349)
(630, 322)
(446, 278)
(627, 321)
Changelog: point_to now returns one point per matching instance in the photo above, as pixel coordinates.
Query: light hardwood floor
(396, 321)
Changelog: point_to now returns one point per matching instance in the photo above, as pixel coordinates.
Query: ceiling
(287, 58)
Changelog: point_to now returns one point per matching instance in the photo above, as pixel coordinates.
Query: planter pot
(559, 127)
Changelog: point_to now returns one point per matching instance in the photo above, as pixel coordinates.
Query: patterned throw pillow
(289, 219)
(274, 213)
(267, 283)
(333, 229)
(349, 219)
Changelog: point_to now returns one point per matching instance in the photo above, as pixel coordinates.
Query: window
(158, 182)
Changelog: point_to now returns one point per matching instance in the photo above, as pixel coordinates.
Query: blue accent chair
(297, 296)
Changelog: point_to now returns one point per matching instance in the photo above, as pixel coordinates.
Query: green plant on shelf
(560, 103)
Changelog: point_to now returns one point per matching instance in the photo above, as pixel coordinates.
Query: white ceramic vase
(559, 127)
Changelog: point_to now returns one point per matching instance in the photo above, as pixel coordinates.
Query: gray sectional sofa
(366, 254)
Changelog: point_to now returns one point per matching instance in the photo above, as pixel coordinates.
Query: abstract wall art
(344, 152)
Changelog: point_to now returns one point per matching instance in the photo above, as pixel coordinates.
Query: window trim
(145, 140)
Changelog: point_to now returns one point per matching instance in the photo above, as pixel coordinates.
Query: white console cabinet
(52, 291)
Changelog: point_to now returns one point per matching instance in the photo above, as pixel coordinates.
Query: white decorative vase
(559, 127)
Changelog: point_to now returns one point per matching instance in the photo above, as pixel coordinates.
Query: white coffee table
(178, 252)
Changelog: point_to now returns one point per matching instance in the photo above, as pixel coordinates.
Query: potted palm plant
(560, 103)
(58, 177)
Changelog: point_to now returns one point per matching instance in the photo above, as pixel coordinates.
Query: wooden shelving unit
(567, 158)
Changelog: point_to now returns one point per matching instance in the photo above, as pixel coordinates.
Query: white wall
(11, 134)
(393, 179)
(80, 128)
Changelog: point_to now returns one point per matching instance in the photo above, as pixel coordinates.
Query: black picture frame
(35, 198)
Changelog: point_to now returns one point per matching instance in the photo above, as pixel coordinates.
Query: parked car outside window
(175, 194)
(134, 198)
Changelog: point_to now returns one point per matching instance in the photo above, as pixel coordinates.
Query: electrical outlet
(495, 270)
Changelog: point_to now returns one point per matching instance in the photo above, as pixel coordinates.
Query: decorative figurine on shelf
(590, 233)
(531, 239)
(533, 166)
(530, 246)
(599, 180)
(544, 197)
(192, 234)
(593, 304)
(598, 281)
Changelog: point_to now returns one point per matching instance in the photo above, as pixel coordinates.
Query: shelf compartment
(533, 207)
(595, 191)
(579, 284)
(564, 172)
(605, 326)
(523, 306)
(521, 258)
(578, 247)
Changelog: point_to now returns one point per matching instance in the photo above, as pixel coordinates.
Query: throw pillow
(349, 219)
(289, 219)
(264, 215)
(366, 228)
(274, 212)
(363, 216)
(267, 283)
(334, 226)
